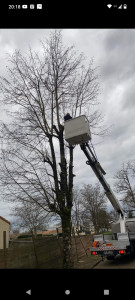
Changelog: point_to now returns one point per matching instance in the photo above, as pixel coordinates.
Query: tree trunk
(67, 243)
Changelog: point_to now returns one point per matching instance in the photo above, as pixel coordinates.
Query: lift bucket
(77, 130)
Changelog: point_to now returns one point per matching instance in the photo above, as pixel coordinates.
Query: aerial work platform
(77, 130)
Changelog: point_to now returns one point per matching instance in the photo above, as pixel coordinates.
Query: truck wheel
(132, 254)
(111, 257)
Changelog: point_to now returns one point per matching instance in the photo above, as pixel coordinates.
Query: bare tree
(76, 209)
(104, 220)
(113, 215)
(93, 201)
(125, 184)
(30, 217)
(36, 164)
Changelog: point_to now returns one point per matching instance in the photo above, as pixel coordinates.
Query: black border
(52, 284)
(67, 14)
(82, 284)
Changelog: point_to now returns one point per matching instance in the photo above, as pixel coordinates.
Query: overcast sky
(113, 51)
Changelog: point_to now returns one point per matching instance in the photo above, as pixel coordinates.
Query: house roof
(4, 220)
(51, 231)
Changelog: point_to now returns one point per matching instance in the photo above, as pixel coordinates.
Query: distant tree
(113, 215)
(93, 202)
(130, 214)
(103, 220)
(125, 185)
(14, 228)
(30, 217)
(77, 209)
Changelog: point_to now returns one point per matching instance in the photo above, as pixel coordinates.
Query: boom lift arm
(77, 131)
(99, 172)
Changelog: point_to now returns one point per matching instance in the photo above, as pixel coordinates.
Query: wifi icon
(109, 5)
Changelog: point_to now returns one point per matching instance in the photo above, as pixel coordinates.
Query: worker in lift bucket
(67, 117)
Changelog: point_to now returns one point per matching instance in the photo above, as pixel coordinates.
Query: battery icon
(24, 6)
(39, 6)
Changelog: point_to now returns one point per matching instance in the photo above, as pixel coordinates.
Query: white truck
(122, 239)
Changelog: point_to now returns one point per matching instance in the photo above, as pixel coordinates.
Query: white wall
(4, 226)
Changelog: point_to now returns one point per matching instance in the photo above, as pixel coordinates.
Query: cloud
(22, 38)
(19, 39)
(113, 50)
(119, 48)
(128, 101)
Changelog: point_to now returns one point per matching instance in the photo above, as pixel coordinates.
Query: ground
(46, 253)
(120, 262)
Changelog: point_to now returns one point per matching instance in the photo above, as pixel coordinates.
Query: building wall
(4, 226)
(82, 229)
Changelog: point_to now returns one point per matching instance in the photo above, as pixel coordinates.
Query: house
(83, 230)
(91, 227)
(50, 232)
(4, 233)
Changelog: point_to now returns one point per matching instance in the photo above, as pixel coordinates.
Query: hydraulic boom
(96, 167)
(77, 131)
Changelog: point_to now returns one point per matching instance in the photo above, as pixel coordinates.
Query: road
(120, 262)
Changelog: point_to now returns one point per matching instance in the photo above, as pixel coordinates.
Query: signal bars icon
(124, 6)
(109, 5)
